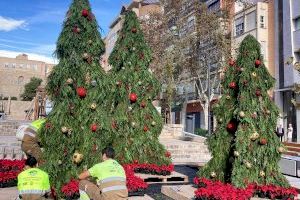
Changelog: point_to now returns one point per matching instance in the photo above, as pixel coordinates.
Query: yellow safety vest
(107, 173)
(37, 124)
(33, 181)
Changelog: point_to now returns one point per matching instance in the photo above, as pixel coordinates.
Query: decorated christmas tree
(74, 133)
(244, 147)
(136, 124)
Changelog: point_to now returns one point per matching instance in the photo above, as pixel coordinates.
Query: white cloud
(31, 56)
(8, 24)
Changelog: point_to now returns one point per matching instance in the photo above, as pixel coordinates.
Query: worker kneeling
(29, 137)
(111, 179)
(33, 183)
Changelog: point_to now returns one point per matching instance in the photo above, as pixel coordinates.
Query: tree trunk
(205, 112)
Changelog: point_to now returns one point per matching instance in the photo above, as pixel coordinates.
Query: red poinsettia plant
(71, 188)
(9, 170)
(216, 190)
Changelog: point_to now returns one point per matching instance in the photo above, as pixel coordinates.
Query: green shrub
(14, 98)
(201, 132)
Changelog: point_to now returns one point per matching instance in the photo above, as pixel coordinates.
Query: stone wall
(172, 131)
(15, 110)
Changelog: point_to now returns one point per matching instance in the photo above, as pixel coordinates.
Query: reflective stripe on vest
(83, 195)
(116, 178)
(29, 134)
(41, 192)
(114, 188)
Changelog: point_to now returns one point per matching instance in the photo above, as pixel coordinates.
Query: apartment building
(287, 53)
(142, 8)
(256, 20)
(16, 72)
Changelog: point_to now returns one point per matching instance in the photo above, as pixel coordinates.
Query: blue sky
(33, 26)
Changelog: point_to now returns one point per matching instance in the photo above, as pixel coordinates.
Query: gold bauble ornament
(59, 162)
(69, 81)
(77, 157)
(90, 42)
(133, 124)
(242, 114)
(254, 74)
(85, 55)
(236, 153)
(280, 149)
(93, 106)
(248, 165)
(228, 97)
(64, 129)
(262, 173)
(213, 174)
(254, 136)
(153, 123)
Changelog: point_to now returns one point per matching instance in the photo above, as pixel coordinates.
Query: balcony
(296, 36)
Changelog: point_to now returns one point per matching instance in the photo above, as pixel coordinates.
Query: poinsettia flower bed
(9, 170)
(216, 190)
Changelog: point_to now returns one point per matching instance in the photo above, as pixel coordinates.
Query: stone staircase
(293, 149)
(187, 152)
(10, 147)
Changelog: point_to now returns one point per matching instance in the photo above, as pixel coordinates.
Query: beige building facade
(16, 72)
(142, 8)
(256, 20)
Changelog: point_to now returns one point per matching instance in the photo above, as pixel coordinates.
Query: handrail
(193, 135)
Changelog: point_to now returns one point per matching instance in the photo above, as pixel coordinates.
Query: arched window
(20, 80)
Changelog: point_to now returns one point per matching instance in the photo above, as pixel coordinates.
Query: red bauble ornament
(143, 104)
(81, 92)
(231, 62)
(135, 161)
(258, 92)
(76, 29)
(133, 97)
(231, 127)
(257, 63)
(168, 154)
(133, 30)
(263, 141)
(114, 124)
(142, 56)
(48, 125)
(232, 85)
(94, 127)
(85, 13)
(146, 128)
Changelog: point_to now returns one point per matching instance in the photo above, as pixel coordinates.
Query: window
(214, 7)
(239, 26)
(297, 23)
(20, 80)
(251, 21)
(28, 66)
(6, 65)
(262, 21)
(13, 65)
(21, 65)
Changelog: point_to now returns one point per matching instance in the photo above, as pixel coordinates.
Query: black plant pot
(74, 196)
(136, 193)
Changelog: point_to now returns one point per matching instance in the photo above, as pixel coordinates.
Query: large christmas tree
(244, 147)
(74, 133)
(136, 124)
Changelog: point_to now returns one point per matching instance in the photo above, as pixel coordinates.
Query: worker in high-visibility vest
(30, 142)
(111, 180)
(33, 183)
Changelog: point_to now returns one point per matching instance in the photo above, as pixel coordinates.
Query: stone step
(188, 151)
(9, 127)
